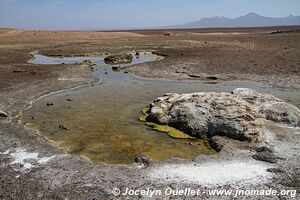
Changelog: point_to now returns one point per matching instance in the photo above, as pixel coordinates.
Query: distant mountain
(249, 20)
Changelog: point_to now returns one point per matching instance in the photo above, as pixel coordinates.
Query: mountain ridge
(249, 20)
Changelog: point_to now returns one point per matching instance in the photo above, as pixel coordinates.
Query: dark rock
(61, 126)
(69, 99)
(264, 149)
(266, 154)
(118, 59)
(194, 76)
(215, 145)
(49, 104)
(19, 70)
(143, 160)
(275, 170)
(3, 114)
(212, 78)
(265, 157)
(116, 68)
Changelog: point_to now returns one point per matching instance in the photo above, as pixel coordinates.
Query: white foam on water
(213, 173)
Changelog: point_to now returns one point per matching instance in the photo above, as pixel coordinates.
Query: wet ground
(101, 123)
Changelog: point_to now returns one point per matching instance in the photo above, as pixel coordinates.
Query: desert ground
(269, 56)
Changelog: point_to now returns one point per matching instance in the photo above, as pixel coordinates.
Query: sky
(126, 14)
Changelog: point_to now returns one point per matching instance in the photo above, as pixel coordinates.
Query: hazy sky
(114, 14)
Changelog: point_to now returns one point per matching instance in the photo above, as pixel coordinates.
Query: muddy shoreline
(69, 176)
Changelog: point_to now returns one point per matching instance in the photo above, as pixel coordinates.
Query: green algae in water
(172, 132)
(145, 114)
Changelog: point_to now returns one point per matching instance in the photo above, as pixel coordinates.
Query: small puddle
(103, 119)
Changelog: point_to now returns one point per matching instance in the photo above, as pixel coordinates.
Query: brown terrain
(269, 56)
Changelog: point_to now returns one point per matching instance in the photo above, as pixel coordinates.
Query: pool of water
(103, 119)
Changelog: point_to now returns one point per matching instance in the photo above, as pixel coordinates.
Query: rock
(205, 115)
(19, 70)
(61, 126)
(264, 149)
(239, 115)
(194, 76)
(272, 108)
(92, 69)
(88, 62)
(143, 160)
(69, 99)
(215, 144)
(275, 170)
(137, 54)
(281, 112)
(118, 59)
(253, 97)
(266, 155)
(3, 114)
(116, 68)
(213, 78)
(49, 104)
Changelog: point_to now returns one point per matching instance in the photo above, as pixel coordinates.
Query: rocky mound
(118, 59)
(270, 107)
(239, 115)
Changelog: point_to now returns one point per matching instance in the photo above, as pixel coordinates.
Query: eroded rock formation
(239, 115)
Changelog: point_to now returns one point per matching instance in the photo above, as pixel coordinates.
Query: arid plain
(267, 56)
